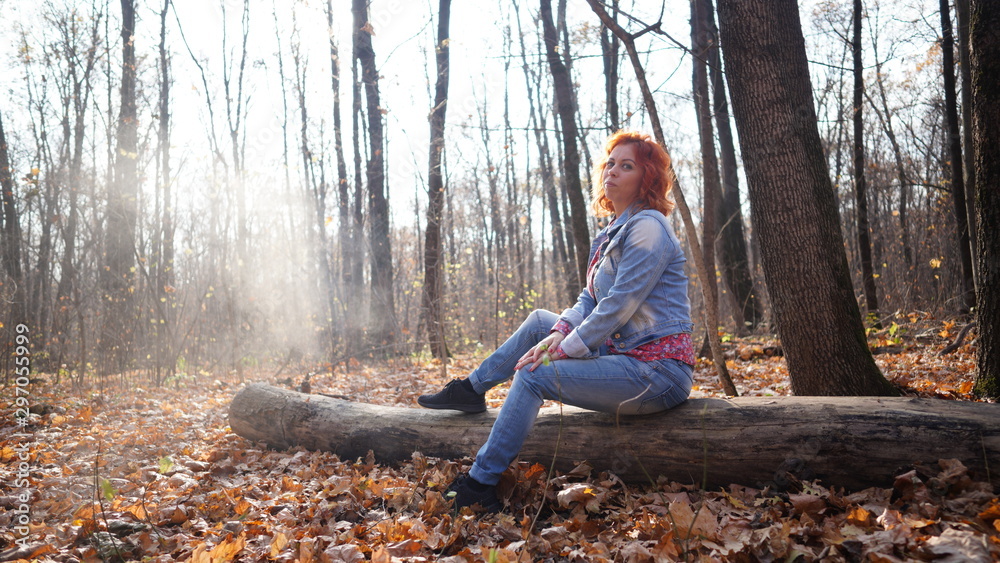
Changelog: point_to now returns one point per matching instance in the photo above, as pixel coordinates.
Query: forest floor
(134, 472)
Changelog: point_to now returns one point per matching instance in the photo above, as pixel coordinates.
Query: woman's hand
(546, 348)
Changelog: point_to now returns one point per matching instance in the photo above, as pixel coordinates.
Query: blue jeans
(608, 383)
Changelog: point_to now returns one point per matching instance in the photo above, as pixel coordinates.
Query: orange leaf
(138, 511)
(992, 512)
(228, 549)
(859, 516)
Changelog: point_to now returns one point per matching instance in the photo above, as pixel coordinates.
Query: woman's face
(622, 177)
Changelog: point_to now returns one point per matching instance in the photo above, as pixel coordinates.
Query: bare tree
(349, 239)
(792, 200)
(610, 47)
(39, 276)
(711, 182)
(164, 246)
(571, 154)
(958, 194)
(860, 183)
(382, 319)
(317, 190)
(537, 124)
(236, 108)
(733, 252)
(10, 249)
(433, 252)
(118, 274)
(885, 117)
(79, 69)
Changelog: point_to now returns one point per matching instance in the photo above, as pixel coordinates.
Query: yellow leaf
(199, 555)
(278, 543)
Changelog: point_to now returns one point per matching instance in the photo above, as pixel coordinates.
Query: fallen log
(851, 442)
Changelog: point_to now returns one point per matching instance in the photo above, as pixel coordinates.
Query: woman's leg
(611, 383)
(499, 366)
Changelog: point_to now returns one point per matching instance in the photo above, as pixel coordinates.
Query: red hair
(657, 177)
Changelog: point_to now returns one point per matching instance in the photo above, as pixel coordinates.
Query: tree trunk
(733, 252)
(968, 156)
(860, 184)
(712, 186)
(571, 155)
(382, 321)
(851, 442)
(985, 70)
(348, 228)
(357, 266)
(433, 252)
(118, 277)
(794, 208)
(165, 267)
(10, 249)
(968, 297)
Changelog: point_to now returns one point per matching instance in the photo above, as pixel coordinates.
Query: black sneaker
(455, 396)
(466, 491)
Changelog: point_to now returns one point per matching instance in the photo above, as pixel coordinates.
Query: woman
(625, 347)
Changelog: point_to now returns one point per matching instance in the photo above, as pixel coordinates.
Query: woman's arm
(647, 250)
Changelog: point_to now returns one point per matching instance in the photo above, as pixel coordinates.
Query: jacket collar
(620, 220)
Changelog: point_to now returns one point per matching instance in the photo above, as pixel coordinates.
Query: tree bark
(433, 252)
(860, 183)
(852, 442)
(571, 155)
(382, 321)
(958, 194)
(985, 70)
(793, 203)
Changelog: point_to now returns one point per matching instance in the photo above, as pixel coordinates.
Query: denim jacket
(640, 287)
